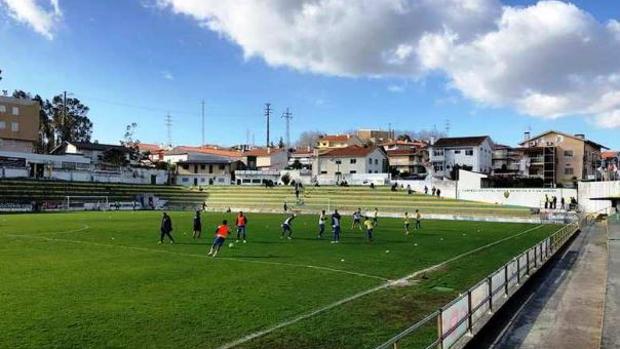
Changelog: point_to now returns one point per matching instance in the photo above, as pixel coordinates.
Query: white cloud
(396, 88)
(550, 59)
(42, 16)
(167, 75)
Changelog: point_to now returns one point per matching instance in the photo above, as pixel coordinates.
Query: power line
(268, 116)
(168, 123)
(288, 116)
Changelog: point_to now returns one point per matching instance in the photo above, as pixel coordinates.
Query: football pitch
(99, 279)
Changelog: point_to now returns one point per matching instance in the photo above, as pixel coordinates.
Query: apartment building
(19, 124)
(506, 160)
(203, 169)
(560, 158)
(350, 160)
(407, 158)
(472, 153)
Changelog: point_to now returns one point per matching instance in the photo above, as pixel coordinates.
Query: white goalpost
(86, 203)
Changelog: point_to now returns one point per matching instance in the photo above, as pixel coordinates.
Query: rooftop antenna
(168, 123)
(288, 116)
(267, 116)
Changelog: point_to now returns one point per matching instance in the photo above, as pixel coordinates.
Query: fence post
(396, 345)
(490, 282)
(506, 280)
(518, 270)
(439, 329)
(469, 312)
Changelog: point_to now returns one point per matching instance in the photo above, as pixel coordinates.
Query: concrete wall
(133, 176)
(593, 190)
(528, 197)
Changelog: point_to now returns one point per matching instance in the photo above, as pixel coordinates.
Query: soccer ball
(387, 251)
(342, 260)
(231, 245)
(416, 244)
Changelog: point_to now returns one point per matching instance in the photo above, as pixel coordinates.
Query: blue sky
(132, 61)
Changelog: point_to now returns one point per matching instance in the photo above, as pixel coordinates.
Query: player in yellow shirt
(370, 226)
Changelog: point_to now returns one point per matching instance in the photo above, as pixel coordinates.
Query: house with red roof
(338, 141)
(266, 159)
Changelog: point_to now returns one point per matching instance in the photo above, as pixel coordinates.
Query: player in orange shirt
(221, 233)
(241, 222)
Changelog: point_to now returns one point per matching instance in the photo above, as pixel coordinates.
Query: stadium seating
(314, 199)
(27, 191)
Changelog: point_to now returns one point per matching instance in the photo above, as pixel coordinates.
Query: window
(220, 180)
(323, 172)
(438, 152)
(353, 161)
(568, 153)
(376, 161)
(184, 179)
(202, 179)
(338, 173)
(469, 152)
(457, 152)
(2, 108)
(210, 168)
(338, 162)
(370, 161)
(15, 111)
(246, 180)
(222, 167)
(352, 172)
(568, 171)
(2, 125)
(202, 167)
(185, 166)
(15, 126)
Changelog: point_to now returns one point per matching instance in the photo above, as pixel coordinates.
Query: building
(338, 162)
(96, 152)
(266, 159)
(153, 152)
(469, 153)
(375, 136)
(203, 169)
(338, 141)
(302, 158)
(559, 158)
(407, 158)
(505, 160)
(609, 165)
(19, 124)
(182, 153)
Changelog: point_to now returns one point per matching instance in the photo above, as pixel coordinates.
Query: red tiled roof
(415, 143)
(609, 154)
(352, 151)
(335, 138)
(206, 150)
(153, 148)
(263, 152)
(401, 152)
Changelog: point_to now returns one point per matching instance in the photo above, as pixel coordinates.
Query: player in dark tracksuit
(166, 228)
(336, 227)
(287, 228)
(197, 230)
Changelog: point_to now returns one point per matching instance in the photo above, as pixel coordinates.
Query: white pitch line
(83, 228)
(143, 249)
(364, 293)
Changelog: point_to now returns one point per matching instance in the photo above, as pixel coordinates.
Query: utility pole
(287, 115)
(203, 122)
(268, 115)
(64, 111)
(447, 127)
(168, 123)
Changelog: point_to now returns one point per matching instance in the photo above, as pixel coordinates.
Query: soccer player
(406, 223)
(375, 218)
(357, 219)
(336, 227)
(221, 233)
(241, 222)
(166, 228)
(322, 219)
(418, 219)
(287, 227)
(370, 226)
(197, 230)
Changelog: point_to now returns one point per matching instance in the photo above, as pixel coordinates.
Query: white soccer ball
(416, 244)
(342, 260)
(387, 251)
(231, 245)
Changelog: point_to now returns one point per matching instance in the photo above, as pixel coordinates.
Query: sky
(485, 66)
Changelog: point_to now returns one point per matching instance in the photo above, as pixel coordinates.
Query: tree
(281, 144)
(115, 157)
(404, 138)
(71, 122)
(132, 144)
(308, 139)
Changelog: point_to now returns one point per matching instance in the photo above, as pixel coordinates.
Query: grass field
(99, 279)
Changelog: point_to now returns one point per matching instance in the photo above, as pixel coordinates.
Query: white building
(340, 162)
(469, 153)
(203, 169)
(266, 159)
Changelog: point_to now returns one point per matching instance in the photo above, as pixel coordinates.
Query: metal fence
(469, 312)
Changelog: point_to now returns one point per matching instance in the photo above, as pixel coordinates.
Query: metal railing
(470, 311)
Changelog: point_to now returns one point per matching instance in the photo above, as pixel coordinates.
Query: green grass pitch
(99, 279)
